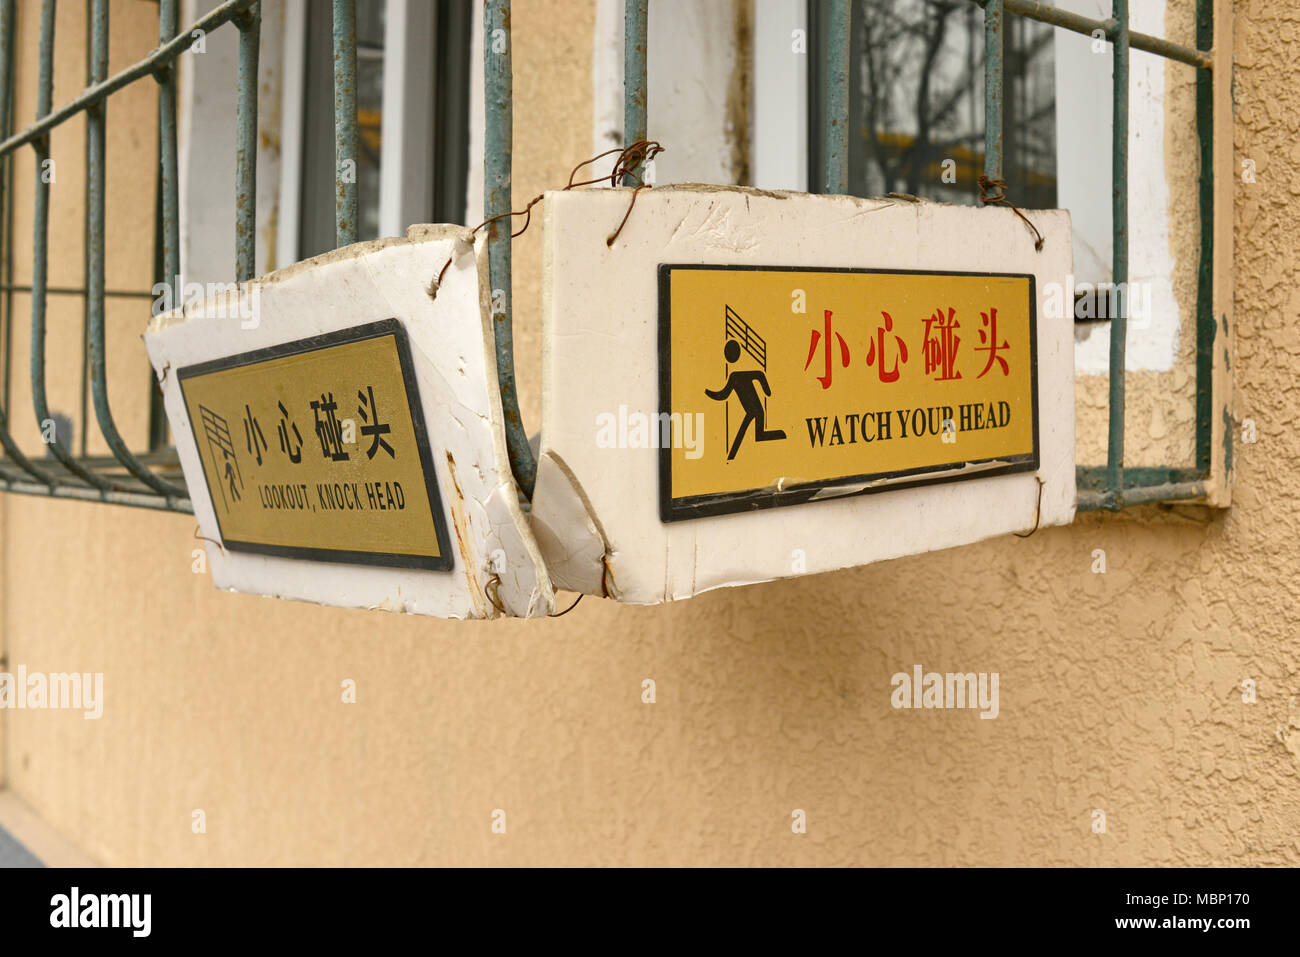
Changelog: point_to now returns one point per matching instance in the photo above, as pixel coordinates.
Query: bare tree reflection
(917, 102)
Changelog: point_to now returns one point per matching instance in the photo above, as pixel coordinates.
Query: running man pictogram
(744, 383)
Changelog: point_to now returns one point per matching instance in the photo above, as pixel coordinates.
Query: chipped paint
(452, 354)
(596, 510)
(460, 525)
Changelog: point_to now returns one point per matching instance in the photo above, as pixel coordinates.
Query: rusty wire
(567, 610)
(494, 594)
(1038, 512)
(493, 591)
(1000, 199)
(203, 538)
(630, 159)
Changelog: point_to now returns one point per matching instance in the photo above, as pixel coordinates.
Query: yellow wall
(1118, 691)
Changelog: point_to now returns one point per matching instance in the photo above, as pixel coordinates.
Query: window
(413, 74)
(916, 103)
(916, 112)
(916, 82)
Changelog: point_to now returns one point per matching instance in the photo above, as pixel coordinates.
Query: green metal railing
(498, 160)
(151, 478)
(1113, 486)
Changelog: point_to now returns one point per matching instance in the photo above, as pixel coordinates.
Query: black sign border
(728, 503)
(445, 561)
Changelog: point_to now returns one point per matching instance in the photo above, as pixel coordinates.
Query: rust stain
(605, 591)
(460, 526)
(740, 89)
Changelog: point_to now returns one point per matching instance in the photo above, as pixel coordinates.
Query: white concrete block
(597, 510)
(451, 346)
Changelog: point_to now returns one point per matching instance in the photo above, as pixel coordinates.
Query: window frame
(424, 169)
(1111, 486)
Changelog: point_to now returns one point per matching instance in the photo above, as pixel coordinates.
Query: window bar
(1206, 325)
(835, 125)
(6, 212)
(166, 222)
(345, 122)
(83, 408)
(6, 109)
(40, 256)
(1103, 487)
(99, 92)
(167, 247)
(95, 174)
(171, 219)
(1080, 24)
(635, 47)
(1119, 234)
(498, 123)
(250, 30)
(7, 182)
(137, 499)
(37, 135)
(993, 92)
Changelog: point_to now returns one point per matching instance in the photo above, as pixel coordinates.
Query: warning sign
(317, 449)
(807, 383)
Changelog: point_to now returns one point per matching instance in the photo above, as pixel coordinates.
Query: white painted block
(453, 358)
(597, 511)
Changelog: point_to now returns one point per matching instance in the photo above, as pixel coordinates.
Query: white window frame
(406, 162)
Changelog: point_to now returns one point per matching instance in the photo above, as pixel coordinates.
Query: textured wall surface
(1119, 691)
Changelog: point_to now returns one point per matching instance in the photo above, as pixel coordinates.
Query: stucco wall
(1119, 691)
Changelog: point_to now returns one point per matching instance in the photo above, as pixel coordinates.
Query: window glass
(916, 102)
(318, 180)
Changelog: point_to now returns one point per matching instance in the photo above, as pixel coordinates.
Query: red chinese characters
(989, 334)
(887, 351)
(877, 355)
(825, 378)
(940, 350)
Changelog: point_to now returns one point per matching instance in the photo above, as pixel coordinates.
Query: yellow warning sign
(780, 385)
(317, 449)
